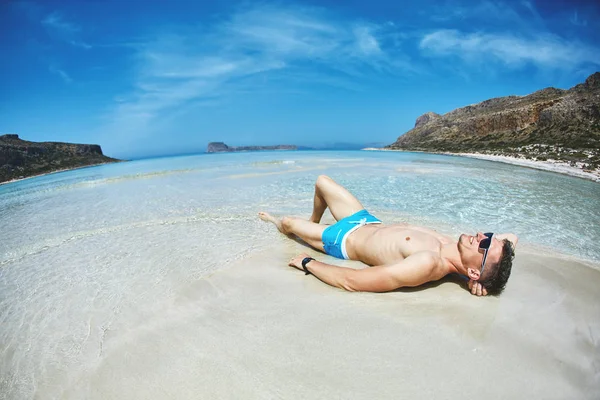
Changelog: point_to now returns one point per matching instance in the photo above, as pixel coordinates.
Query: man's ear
(473, 274)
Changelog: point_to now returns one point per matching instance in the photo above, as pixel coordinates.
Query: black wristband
(304, 262)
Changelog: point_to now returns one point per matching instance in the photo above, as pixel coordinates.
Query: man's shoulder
(431, 260)
(426, 257)
(418, 268)
(423, 259)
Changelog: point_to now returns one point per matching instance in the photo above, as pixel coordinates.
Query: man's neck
(451, 257)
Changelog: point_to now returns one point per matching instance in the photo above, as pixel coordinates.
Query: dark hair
(498, 275)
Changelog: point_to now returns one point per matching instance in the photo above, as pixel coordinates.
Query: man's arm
(412, 271)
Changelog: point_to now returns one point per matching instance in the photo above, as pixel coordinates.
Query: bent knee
(323, 179)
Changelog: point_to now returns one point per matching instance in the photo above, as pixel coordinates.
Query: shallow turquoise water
(459, 194)
(98, 250)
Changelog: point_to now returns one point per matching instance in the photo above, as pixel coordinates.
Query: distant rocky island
(344, 146)
(220, 147)
(550, 124)
(21, 159)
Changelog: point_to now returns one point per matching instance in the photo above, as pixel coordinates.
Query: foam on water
(88, 253)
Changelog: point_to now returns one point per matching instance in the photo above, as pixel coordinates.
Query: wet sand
(261, 330)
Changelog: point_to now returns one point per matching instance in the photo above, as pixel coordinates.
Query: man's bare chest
(389, 243)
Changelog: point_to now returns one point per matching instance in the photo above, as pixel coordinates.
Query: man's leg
(310, 232)
(330, 194)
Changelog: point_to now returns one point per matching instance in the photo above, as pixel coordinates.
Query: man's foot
(265, 216)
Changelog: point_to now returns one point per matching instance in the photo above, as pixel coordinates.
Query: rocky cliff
(20, 158)
(550, 123)
(220, 147)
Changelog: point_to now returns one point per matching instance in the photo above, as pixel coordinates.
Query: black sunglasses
(485, 245)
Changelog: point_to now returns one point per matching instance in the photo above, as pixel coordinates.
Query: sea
(88, 251)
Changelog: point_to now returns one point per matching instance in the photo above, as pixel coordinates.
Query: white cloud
(61, 29)
(576, 20)
(548, 51)
(79, 43)
(520, 15)
(61, 73)
(55, 20)
(366, 42)
(491, 10)
(291, 45)
(287, 32)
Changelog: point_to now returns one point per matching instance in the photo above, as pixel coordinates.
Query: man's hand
(297, 261)
(475, 287)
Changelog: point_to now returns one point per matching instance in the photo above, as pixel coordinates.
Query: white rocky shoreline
(548, 165)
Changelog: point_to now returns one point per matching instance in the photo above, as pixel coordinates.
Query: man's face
(472, 256)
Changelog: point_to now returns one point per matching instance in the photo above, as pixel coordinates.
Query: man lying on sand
(401, 255)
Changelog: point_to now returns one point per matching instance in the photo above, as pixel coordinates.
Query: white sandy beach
(258, 329)
(553, 166)
(261, 330)
(155, 279)
(549, 165)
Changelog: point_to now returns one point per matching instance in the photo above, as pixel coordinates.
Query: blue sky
(164, 77)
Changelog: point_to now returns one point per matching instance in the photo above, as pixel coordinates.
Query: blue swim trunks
(334, 237)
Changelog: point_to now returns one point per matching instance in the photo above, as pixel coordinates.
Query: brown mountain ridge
(563, 125)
